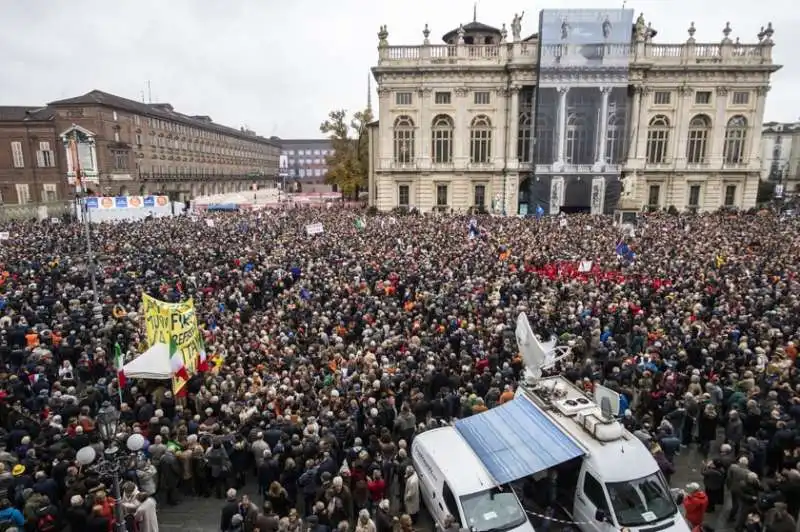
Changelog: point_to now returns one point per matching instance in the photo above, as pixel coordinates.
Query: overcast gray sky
(280, 66)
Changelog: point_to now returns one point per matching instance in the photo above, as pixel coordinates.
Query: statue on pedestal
(629, 186)
(516, 27)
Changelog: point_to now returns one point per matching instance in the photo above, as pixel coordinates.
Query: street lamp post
(113, 462)
(80, 199)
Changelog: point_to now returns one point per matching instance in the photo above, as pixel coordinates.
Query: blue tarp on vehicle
(516, 440)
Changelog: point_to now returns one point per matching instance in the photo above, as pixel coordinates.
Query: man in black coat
(230, 509)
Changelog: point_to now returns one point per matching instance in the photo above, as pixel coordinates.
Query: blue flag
(539, 212)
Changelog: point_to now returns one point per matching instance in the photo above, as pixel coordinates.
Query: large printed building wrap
(581, 125)
(174, 324)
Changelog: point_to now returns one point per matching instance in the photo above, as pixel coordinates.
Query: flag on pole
(360, 223)
(202, 367)
(76, 163)
(120, 362)
(176, 361)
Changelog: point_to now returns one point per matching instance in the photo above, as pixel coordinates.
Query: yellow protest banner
(174, 324)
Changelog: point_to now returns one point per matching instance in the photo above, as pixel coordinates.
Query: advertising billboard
(581, 126)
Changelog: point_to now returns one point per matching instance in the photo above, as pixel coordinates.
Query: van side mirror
(600, 515)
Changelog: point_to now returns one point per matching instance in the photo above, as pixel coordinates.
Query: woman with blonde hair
(406, 525)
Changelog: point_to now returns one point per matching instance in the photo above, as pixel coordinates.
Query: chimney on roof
(163, 106)
(202, 118)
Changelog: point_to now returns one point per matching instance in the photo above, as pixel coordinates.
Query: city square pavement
(203, 515)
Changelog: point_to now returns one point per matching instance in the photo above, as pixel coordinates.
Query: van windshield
(492, 510)
(641, 501)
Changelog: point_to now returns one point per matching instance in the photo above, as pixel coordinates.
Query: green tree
(349, 165)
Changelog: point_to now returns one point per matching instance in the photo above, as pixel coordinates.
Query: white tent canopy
(152, 364)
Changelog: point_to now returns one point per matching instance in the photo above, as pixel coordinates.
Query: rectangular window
(116, 136)
(741, 98)
(661, 97)
(137, 120)
(594, 492)
(730, 196)
(403, 196)
(403, 98)
(17, 155)
(50, 192)
(441, 195)
(480, 196)
(23, 194)
(139, 139)
(654, 195)
(694, 196)
(114, 115)
(44, 157)
(482, 98)
(702, 97)
(316, 152)
(442, 98)
(302, 172)
(120, 160)
(317, 172)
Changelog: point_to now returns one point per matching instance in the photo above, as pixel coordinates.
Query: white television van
(607, 478)
(454, 482)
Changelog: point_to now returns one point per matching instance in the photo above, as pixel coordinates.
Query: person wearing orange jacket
(695, 503)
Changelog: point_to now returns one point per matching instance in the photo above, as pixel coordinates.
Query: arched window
(442, 138)
(699, 131)
(615, 143)
(735, 137)
(657, 139)
(524, 138)
(403, 140)
(480, 145)
(544, 146)
(577, 138)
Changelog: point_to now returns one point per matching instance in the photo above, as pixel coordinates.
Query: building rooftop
(472, 27)
(163, 111)
(781, 127)
(303, 141)
(26, 113)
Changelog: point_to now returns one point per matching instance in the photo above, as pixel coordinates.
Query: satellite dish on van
(535, 355)
(608, 400)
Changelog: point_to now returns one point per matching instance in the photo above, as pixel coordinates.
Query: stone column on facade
(598, 197)
(423, 137)
(556, 194)
(639, 131)
(461, 138)
(754, 126)
(513, 137)
(682, 121)
(385, 150)
(600, 156)
(718, 139)
(562, 126)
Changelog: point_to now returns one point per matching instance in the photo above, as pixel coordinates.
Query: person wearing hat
(695, 504)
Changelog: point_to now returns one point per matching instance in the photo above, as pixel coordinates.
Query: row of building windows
(23, 190)
(311, 172)
(45, 157)
(442, 136)
(734, 147)
(306, 162)
(442, 195)
(442, 98)
(308, 152)
(701, 98)
(693, 201)
(239, 145)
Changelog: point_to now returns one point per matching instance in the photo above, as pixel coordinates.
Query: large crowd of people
(330, 352)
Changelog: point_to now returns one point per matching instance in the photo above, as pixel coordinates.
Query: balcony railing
(577, 54)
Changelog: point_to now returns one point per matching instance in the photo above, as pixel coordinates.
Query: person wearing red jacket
(695, 503)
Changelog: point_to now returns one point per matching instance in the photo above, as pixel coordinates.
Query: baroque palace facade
(507, 124)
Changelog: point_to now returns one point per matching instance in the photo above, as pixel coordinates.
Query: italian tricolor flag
(120, 363)
(176, 360)
(202, 366)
